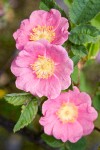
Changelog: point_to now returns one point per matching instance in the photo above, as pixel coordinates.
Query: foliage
(75, 75)
(29, 108)
(80, 145)
(84, 34)
(18, 98)
(83, 11)
(93, 49)
(96, 101)
(51, 141)
(27, 115)
(80, 51)
(96, 21)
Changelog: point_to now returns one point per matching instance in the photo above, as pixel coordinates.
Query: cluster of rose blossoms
(43, 68)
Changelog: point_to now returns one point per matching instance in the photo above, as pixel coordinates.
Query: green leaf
(74, 75)
(93, 50)
(80, 145)
(84, 85)
(49, 4)
(84, 34)
(79, 50)
(68, 2)
(83, 11)
(51, 141)
(63, 148)
(27, 115)
(75, 59)
(96, 21)
(96, 102)
(18, 98)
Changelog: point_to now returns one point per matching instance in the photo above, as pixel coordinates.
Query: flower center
(68, 112)
(43, 67)
(42, 32)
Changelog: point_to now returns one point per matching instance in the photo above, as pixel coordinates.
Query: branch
(97, 129)
(29, 134)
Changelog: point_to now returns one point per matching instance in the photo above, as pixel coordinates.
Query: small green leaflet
(96, 102)
(28, 114)
(51, 4)
(51, 141)
(96, 21)
(80, 145)
(18, 98)
(82, 11)
(93, 49)
(64, 148)
(79, 50)
(75, 75)
(75, 59)
(84, 34)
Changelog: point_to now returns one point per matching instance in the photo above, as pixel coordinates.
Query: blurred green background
(88, 79)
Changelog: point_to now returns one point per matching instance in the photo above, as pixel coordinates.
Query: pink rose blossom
(42, 25)
(42, 69)
(68, 117)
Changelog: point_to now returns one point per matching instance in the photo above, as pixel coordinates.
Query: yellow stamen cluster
(42, 32)
(68, 112)
(43, 67)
